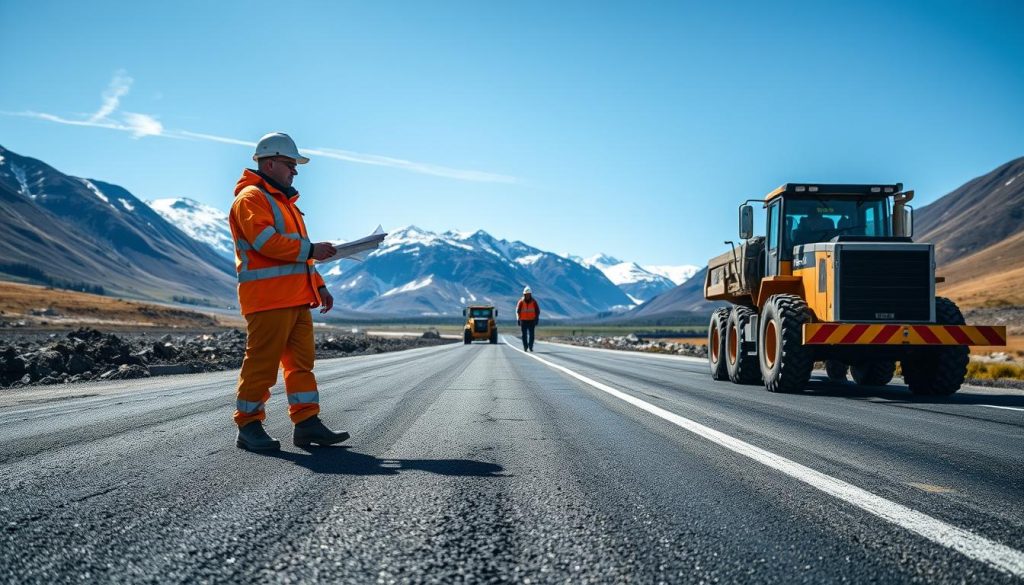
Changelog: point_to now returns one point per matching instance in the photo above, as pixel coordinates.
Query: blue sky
(632, 128)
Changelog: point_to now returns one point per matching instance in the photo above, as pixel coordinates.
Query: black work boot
(254, 438)
(313, 430)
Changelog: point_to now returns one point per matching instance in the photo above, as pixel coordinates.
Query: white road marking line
(1001, 407)
(686, 358)
(977, 547)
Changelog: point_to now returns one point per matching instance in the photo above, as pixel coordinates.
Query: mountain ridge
(74, 229)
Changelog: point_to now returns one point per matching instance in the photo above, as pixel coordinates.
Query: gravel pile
(634, 343)
(88, 354)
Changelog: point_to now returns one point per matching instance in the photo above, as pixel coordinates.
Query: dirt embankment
(88, 354)
(35, 307)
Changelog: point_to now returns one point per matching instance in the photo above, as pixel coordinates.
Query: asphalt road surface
(485, 464)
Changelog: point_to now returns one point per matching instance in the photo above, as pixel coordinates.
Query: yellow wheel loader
(836, 278)
(480, 325)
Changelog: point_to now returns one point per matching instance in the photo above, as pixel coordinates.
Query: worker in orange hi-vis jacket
(527, 315)
(277, 288)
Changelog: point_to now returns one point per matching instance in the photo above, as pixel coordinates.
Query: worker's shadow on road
(345, 461)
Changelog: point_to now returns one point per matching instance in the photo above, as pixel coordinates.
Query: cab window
(820, 219)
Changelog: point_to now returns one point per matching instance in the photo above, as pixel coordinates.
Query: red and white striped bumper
(891, 334)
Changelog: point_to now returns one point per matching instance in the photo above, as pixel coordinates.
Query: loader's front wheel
(938, 371)
(785, 361)
(836, 370)
(467, 337)
(716, 344)
(741, 366)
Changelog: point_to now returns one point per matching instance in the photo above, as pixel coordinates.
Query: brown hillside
(993, 276)
(978, 232)
(982, 212)
(38, 306)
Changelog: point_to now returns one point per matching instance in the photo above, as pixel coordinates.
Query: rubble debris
(633, 343)
(88, 354)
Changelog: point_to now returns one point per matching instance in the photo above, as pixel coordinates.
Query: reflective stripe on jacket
(272, 248)
(527, 310)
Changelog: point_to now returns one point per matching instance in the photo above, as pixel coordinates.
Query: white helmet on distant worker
(278, 144)
(527, 291)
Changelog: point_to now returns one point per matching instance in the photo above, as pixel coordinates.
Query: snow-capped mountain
(56, 228)
(417, 272)
(639, 284)
(677, 274)
(200, 221)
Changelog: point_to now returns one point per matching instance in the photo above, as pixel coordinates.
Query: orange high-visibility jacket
(272, 249)
(527, 310)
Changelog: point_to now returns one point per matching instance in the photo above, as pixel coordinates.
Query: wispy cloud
(118, 88)
(423, 168)
(140, 125)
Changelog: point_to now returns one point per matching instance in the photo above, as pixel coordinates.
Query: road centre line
(974, 546)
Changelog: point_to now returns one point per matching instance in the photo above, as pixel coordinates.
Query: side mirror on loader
(495, 313)
(746, 222)
(463, 312)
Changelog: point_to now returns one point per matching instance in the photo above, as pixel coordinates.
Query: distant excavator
(837, 278)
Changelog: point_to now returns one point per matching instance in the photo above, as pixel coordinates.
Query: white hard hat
(278, 144)
(527, 291)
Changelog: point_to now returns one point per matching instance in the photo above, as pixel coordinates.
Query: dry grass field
(41, 307)
(691, 340)
(991, 277)
(1014, 348)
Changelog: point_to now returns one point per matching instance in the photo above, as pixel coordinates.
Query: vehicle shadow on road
(900, 393)
(345, 461)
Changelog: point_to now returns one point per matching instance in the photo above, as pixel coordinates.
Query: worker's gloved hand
(323, 250)
(519, 323)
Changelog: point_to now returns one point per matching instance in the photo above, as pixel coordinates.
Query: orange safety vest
(272, 248)
(527, 310)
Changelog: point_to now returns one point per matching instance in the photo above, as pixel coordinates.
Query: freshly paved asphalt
(481, 464)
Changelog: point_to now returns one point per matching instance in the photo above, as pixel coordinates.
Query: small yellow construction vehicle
(480, 325)
(837, 278)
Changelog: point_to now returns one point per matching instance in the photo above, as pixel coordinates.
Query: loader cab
(809, 214)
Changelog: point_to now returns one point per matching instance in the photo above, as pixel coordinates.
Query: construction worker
(277, 288)
(527, 314)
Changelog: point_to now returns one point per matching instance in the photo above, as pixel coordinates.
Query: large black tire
(716, 344)
(938, 371)
(836, 370)
(873, 373)
(494, 337)
(786, 363)
(467, 337)
(741, 367)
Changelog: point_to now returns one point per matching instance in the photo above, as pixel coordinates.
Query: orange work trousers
(278, 337)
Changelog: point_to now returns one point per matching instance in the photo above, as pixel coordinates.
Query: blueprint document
(357, 249)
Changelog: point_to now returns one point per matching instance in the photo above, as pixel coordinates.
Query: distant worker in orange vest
(277, 288)
(527, 313)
